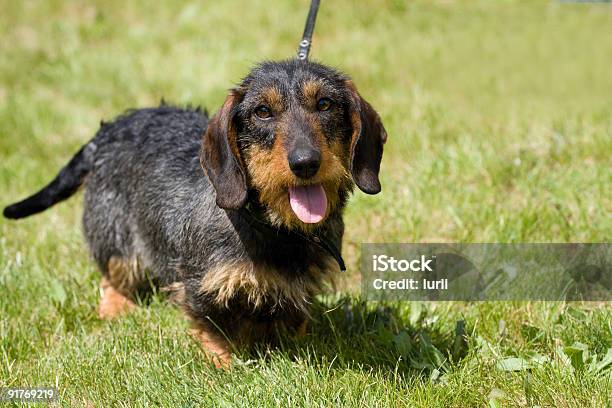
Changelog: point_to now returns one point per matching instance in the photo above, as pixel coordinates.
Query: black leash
(318, 240)
(304, 47)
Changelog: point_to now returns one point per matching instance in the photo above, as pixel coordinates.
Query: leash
(319, 240)
(304, 47)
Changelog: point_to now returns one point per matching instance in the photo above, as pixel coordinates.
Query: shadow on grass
(352, 333)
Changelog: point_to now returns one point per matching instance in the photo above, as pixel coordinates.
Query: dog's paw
(112, 303)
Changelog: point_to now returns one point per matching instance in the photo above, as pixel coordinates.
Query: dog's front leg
(112, 302)
(216, 347)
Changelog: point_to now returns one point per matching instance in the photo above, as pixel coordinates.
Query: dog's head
(297, 134)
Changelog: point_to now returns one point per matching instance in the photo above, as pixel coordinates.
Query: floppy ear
(220, 157)
(367, 141)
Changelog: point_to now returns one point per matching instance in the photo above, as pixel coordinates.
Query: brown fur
(175, 293)
(263, 284)
(215, 346)
(310, 90)
(112, 302)
(124, 275)
(270, 174)
(219, 141)
(273, 97)
(354, 115)
(302, 329)
(374, 137)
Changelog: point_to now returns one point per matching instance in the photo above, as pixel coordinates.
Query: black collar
(316, 239)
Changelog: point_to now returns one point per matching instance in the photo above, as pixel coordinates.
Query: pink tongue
(309, 203)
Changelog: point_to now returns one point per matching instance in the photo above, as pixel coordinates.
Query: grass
(499, 121)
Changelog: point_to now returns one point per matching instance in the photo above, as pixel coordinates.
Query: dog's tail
(66, 183)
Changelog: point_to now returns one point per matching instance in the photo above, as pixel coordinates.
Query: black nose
(304, 162)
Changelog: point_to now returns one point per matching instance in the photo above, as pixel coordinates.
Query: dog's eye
(263, 112)
(324, 104)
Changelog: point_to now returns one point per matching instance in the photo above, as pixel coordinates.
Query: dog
(239, 217)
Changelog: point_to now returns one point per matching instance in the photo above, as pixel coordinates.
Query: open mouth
(309, 203)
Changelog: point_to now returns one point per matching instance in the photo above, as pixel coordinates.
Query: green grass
(499, 117)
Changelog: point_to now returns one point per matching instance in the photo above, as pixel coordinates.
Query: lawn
(499, 117)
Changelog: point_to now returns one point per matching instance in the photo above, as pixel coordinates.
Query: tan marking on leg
(216, 348)
(123, 274)
(112, 302)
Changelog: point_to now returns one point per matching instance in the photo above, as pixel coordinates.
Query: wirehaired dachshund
(239, 216)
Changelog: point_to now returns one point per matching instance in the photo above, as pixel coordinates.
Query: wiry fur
(263, 284)
(271, 176)
(152, 217)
